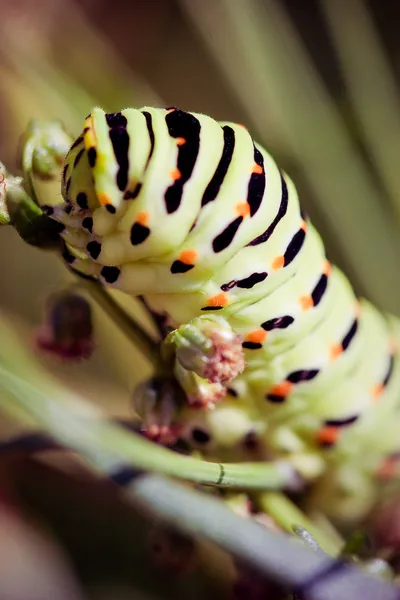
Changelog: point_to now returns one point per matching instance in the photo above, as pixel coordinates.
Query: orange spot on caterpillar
(175, 174)
(104, 199)
(257, 336)
(393, 346)
(218, 300)
(281, 389)
(377, 391)
(242, 209)
(303, 225)
(180, 141)
(188, 257)
(142, 218)
(306, 302)
(335, 351)
(327, 268)
(278, 263)
(357, 308)
(328, 435)
(257, 169)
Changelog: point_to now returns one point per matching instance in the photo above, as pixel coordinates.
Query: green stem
(131, 328)
(109, 446)
(156, 319)
(20, 203)
(287, 515)
(27, 218)
(355, 544)
(272, 554)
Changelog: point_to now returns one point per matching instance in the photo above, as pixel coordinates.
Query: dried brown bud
(156, 401)
(385, 524)
(68, 329)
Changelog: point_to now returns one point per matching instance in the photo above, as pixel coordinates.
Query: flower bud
(68, 329)
(199, 392)
(49, 144)
(210, 348)
(157, 401)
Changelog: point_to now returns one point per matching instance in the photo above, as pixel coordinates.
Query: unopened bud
(157, 401)
(199, 392)
(48, 144)
(210, 348)
(68, 329)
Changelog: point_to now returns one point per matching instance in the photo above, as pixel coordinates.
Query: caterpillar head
(89, 178)
(92, 191)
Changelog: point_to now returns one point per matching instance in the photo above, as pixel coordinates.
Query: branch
(274, 555)
(110, 447)
(131, 328)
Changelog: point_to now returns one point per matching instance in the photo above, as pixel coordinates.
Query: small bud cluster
(207, 354)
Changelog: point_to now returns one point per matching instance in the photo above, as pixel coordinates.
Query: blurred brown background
(316, 81)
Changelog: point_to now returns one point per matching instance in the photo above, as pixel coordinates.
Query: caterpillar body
(195, 216)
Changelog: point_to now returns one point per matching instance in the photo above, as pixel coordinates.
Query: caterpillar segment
(197, 217)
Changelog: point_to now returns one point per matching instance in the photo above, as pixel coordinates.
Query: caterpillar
(196, 217)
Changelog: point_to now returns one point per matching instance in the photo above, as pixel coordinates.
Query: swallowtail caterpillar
(196, 217)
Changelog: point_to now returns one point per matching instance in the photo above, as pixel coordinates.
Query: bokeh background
(316, 81)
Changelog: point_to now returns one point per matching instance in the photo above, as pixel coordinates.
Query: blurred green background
(316, 81)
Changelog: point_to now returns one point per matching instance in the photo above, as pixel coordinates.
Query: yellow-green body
(341, 423)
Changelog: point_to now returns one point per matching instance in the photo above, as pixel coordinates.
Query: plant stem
(129, 326)
(287, 515)
(110, 446)
(77, 425)
(277, 557)
(157, 319)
